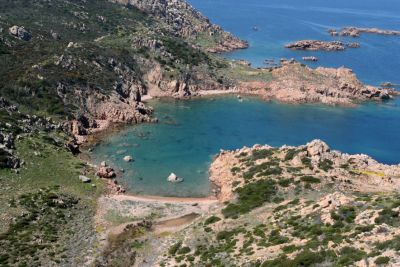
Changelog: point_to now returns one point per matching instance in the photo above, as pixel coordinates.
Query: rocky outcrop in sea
(315, 45)
(356, 32)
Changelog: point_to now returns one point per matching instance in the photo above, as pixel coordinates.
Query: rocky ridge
(187, 22)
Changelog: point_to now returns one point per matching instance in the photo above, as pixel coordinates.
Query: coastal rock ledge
(232, 169)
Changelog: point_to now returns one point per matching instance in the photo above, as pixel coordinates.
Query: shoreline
(149, 198)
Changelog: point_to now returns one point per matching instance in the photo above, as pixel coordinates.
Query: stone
(103, 164)
(317, 148)
(128, 159)
(84, 179)
(353, 45)
(173, 178)
(106, 172)
(314, 59)
(20, 33)
(73, 146)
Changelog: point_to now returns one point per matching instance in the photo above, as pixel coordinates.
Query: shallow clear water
(191, 132)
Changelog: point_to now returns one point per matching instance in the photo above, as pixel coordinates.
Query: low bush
(211, 220)
(310, 179)
(251, 196)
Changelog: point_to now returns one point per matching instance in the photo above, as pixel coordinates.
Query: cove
(191, 132)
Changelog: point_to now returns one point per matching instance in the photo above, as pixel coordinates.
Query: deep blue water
(191, 132)
(284, 21)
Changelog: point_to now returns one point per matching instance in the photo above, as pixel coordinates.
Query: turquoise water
(191, 132)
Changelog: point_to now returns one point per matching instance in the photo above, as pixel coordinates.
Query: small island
(315, 45)
(356, 32)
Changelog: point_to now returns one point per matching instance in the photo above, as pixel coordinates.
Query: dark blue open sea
(191, 132)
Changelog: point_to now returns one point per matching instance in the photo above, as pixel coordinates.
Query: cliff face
(187, 22)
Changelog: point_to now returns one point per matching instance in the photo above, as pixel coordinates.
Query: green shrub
(388, 216)
(235, 170)
(306, 162)
(310, 179)
(382, 260)
(251, 196)
(211, 220)
(389, 244)
(261, 154)
(349, 255)
(285, 182)
(291, 154)
(184, 250)
(326, 165)
(174, 248)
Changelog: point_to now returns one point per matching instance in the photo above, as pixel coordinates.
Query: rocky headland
(293, 82)
(356, 173)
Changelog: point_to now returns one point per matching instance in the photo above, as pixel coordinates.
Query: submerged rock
(173, 178)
